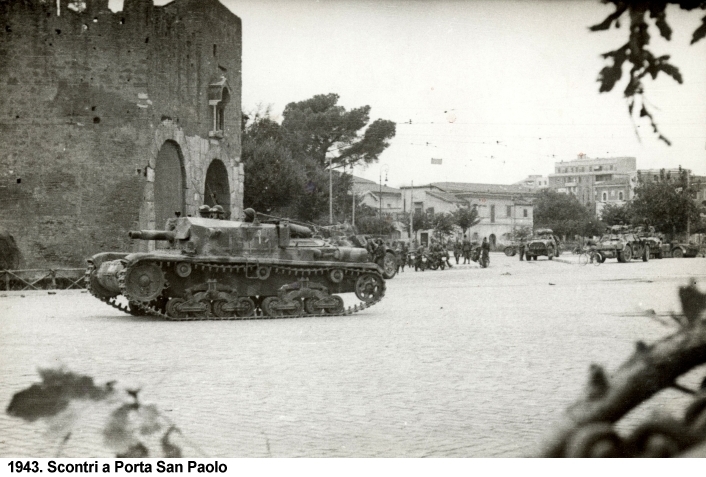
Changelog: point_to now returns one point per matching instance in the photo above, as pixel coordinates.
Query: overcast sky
(497, 89)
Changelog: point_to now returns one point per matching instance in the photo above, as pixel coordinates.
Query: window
(218, 99)
(492, 214)
(524, 212)
(605, 196)
(509, 211)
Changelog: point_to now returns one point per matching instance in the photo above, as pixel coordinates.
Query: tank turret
(205, 268)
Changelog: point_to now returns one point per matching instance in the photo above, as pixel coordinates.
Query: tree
(635, 51)
(614, 214)
(420, 221)
(320, 129)
(443, 224)
(562, 213)
(272, 176)
(666, 205)
(521, 233)
(466, 218)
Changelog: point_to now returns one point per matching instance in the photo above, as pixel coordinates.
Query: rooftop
(462, 187)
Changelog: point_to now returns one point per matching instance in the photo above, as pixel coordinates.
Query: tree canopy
(466, 218)
(642, 62)
(562, 213)
(321, 129)
(286, 166)
(667, 205)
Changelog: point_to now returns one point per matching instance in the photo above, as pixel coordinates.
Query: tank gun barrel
(152, 235)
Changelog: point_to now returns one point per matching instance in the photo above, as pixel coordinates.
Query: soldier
(418, 258)
(205, 211)
(250, 215)
(458, 249)
(218, 213)
(466, 249)
(522, 249)
(485, 248)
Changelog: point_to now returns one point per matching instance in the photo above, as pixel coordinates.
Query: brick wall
(87, 97)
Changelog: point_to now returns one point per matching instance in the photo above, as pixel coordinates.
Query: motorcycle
(421, 261)
(482, 258)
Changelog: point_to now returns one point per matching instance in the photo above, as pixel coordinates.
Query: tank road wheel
(245, 307)
(223, 308)
(389, 265)
(173, 308)
(144, 282)
(275, 306)
(646, 254)
(369, 288)
(331, 305)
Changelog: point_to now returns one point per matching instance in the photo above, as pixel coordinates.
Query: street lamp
(386, 168)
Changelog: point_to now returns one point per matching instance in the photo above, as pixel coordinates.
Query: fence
(43, 279)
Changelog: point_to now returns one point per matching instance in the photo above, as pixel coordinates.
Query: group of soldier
(215, 212)
(464, 248)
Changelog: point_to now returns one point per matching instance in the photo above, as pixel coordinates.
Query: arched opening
(620, 195)
(216, 188)
(169, 183)
(605, 196)
(492, 241)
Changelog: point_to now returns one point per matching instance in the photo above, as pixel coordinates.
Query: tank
(219, 269)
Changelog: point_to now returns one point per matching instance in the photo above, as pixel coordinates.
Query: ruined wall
(87, 96)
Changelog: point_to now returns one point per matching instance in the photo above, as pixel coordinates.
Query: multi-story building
(660, 175)
(581, 177)
(115, 121)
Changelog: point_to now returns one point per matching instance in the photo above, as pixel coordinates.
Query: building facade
(581, 177)
(501, 208)
(534, 182)
(115, 120)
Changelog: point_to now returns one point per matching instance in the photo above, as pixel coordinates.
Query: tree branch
(649, 370)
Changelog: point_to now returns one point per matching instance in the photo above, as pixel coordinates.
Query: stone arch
(169, 183)
(492, 240)
(217, 186)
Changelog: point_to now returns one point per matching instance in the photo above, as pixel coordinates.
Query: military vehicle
(542, 242)
(649, 237)
(680, 250)
(622, 243)
(220, 269)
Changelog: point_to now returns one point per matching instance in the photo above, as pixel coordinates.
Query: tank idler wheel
(144, 281)
(173, 308)
(369, 288)
(275, 306)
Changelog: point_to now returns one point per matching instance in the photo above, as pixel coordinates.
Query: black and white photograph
(350, 229)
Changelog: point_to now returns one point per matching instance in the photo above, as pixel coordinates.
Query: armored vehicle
(621, 243)
(543, 242)
(219, 269)
(650, 238)
(680, 250)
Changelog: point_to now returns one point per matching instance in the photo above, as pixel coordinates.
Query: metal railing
(43, 279)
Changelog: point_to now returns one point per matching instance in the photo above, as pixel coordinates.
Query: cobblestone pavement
(462, 362)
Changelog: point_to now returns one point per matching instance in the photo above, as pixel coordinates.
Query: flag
(435, 161)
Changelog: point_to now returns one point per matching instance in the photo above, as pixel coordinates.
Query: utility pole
(330, 191)
(353, 219)
(411, 212)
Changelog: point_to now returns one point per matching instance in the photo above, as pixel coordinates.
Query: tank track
(150, 310)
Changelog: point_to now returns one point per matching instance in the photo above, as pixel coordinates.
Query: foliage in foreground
(69, 404)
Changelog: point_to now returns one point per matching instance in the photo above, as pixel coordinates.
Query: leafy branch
(641, 61)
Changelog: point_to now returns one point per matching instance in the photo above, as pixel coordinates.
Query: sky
(496, 89)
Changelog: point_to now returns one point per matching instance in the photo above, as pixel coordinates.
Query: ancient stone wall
(89, 97)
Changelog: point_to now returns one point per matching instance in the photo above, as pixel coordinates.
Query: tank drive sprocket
(142, 282)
